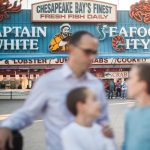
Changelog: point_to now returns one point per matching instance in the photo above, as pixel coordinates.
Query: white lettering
(6, 31)
(135, 41)
(34, 44)
(142, 33)
(145, 43)
(133, 30)
(113, 31)
(123, 32)
(25, 32)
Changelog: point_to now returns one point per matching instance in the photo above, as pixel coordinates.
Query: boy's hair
(144, 73)
(75, 96)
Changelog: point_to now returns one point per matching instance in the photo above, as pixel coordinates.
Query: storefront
(30, 39)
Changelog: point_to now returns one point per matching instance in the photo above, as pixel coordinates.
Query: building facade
(33, 42)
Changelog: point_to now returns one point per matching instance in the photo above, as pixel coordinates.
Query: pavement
(34, 138)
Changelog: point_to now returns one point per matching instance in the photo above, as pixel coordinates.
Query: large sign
(74, 11)
(125, 38)
(24, 38)
(130, 37)
(56, 61)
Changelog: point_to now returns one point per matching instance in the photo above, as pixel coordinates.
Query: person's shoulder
(48, 78)
(51, 75)
(130, 110)
(94, 78)
(54, 72)
(108, 141)
(69, 129)
(97, 127)
(91, 76)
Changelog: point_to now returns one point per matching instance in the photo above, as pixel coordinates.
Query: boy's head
(83, 101)
(139, 80)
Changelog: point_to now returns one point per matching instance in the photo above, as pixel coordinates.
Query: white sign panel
(74, 11)
(113, 75)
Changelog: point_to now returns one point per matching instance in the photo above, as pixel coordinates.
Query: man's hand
(107, 131)
(5, 136)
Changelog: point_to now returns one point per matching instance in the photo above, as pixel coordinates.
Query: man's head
(65, 29)
(139, 80)
(82, 48)
(83, 101)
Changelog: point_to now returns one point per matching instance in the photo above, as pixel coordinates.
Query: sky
(121, 4)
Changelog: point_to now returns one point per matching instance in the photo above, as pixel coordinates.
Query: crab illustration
(141, 11)
(6, 7)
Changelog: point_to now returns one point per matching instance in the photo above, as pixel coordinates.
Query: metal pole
(11, 95)
(28, 76)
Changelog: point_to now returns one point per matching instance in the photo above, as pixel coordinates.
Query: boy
(137, 120)
(83, 133)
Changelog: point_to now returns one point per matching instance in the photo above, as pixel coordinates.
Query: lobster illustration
(6, 7)
(118, 43)
(141, 11)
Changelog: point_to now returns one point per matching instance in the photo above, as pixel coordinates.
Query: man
(48, 96)
(118, 88)
(111, 88)
(59, 43)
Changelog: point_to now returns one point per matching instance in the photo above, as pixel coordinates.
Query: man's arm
(103, 119)
(31, 109)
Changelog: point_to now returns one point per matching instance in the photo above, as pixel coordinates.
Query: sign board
(125, 38)
(113, 75)
(57, 61)
(74, 11)
(28, 40)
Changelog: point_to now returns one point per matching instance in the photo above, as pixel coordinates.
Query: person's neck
(84, 120)
(76, 69)
(143, 100)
